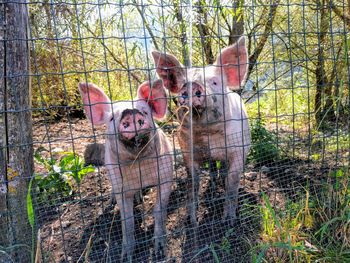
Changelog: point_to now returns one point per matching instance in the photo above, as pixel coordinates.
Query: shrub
(263, 144)
(62, 176)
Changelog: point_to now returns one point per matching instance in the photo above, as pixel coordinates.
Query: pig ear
(97, 105)
(170, 70)
(155, 96)
(233, 62)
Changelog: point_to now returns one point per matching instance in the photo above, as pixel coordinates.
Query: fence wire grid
(170, 131)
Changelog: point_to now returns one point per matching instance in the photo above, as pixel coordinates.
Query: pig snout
(132, 124)
(198, 96)
(197, 93)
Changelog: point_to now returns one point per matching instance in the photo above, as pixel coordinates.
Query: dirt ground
(86, 228)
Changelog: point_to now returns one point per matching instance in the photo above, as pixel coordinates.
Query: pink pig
(220, 129)
(137, 153)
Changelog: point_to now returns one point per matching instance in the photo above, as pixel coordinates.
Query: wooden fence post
(16, 153)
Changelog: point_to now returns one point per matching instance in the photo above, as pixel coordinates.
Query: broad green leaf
(30, 210)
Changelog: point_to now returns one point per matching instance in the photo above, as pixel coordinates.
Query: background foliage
(299, 61)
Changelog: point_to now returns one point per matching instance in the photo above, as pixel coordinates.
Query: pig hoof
(126, 256)
(230, 218)
(128, 250)
(192, 216)
(193, 221)
(112, 202)
(160, 249)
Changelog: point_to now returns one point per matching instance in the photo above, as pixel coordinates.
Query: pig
(213, 119)
(137, 154)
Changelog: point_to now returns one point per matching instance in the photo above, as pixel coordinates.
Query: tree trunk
(202, 27)
(16, 154)
(179, 18)
(323, 85)
(237, 28)
(253, 59)
(338, 10)
(3, 189)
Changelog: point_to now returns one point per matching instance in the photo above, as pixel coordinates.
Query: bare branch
(202, 26)
(270, 82)
(339, 13)
(117, 60)
(150, 32)
(262, 41)
(237, 28)
(179, 17)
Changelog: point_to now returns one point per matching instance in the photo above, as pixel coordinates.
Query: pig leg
(114, 192)
(192, 205)
(125, 203)
(160, 214)
(113, 199)
(235, 165)
(192, 192)
(116, 181)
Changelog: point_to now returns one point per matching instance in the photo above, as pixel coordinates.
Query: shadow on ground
(212, 239)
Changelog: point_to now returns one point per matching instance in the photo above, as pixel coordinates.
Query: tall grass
(314, 229)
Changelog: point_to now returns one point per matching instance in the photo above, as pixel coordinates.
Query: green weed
(314, 229)
(63, 174)
(264, 144)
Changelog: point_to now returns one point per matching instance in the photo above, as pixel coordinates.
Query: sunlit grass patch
(315, 228)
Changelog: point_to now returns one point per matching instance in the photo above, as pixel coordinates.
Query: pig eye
(125, 125)
(214, 81)
(184, 95)
(145, 112)
(112, 119)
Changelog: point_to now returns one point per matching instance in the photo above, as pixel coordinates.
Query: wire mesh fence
(178, 131)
